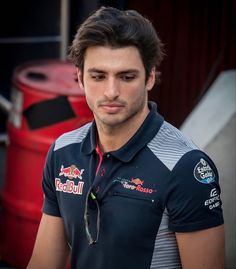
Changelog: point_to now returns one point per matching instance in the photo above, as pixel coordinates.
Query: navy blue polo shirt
(157, 184)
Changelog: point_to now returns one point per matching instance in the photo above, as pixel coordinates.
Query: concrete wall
(212, 126)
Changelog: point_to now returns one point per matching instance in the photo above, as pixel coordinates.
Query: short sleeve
(194, 194)
(50, 205)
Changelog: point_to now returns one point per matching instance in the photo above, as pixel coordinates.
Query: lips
(112, 107)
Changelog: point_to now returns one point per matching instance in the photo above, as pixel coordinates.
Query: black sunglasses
(90, 195)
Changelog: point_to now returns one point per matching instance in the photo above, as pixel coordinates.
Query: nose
(112, 89)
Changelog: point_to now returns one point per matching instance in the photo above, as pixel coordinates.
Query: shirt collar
(89, 143)
(144, 135)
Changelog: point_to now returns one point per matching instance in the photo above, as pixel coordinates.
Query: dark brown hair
(116, 28)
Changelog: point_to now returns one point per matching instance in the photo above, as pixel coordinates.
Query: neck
(111, 138)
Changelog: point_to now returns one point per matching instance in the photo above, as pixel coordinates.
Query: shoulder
(170, 145)
(75, 136)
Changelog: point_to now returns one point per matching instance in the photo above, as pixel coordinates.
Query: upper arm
(195, 212)
(51, 246)
(194, 202)
(202, 249)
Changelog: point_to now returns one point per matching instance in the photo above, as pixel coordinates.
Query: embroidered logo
(135, 184)
(71, 172)
(69, 186)
(203, 172)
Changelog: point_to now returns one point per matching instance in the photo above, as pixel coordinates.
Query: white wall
(212, 126)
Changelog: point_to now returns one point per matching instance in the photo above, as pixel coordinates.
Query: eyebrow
(96, 70)
(136, 71)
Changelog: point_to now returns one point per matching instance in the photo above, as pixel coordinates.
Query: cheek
(90, 102)
(92, 88)
(134, 91)
(89, 90)
(91, 95)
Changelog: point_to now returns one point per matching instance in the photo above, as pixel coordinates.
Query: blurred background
(196, 92)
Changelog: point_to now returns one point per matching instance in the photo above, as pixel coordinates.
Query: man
(127, 191)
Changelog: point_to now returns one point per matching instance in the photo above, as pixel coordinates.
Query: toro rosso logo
(70, 172)
(137, 181)
(135, 184)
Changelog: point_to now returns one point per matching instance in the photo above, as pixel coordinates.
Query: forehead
(112, 59)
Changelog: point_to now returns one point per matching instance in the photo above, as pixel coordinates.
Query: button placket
(102, 172)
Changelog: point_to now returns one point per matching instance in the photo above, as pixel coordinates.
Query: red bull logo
(69, 186)
(71, 172)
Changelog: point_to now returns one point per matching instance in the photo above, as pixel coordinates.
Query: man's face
(114, 84)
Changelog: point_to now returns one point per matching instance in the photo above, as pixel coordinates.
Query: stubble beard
(126, 117)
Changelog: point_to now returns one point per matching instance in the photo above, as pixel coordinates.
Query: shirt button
(108, 155)
(102, 172)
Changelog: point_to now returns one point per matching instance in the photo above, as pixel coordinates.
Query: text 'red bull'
(69, 186)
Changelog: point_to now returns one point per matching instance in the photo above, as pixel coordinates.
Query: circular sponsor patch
(203, 172)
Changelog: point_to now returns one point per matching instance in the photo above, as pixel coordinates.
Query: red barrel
(47, 102)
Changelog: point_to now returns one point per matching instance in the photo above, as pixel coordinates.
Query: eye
(98, 77)
(128, 77)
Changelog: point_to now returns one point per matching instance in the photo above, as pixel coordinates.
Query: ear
(80, 78)
(151, 79)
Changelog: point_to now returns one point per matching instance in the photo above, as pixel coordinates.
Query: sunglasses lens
(92, 218)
